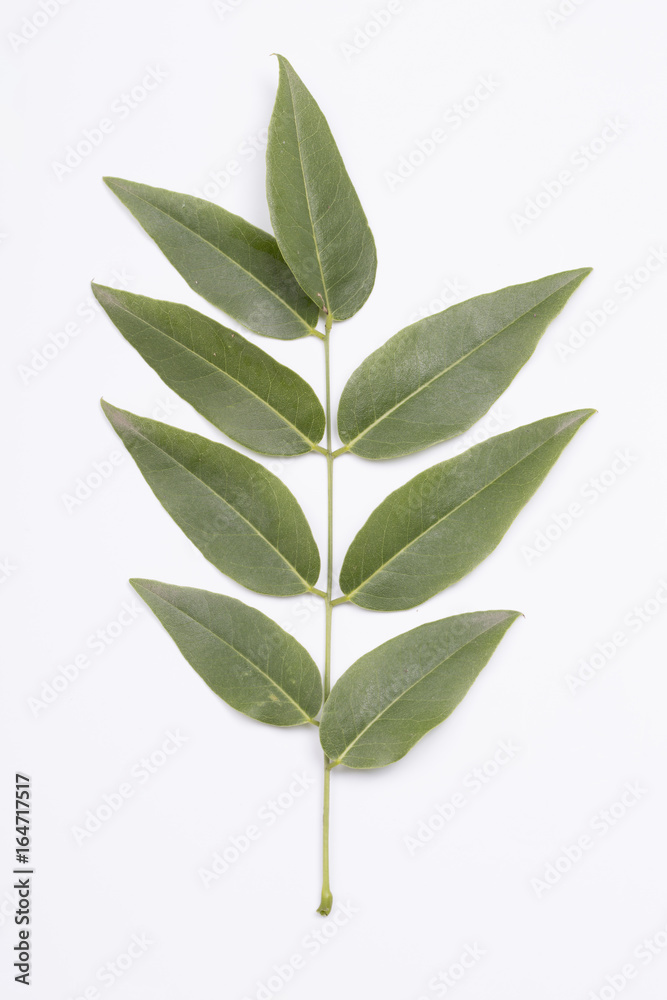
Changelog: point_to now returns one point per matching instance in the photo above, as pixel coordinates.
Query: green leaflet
(395, 694)
(238, 514)
(433, 530)
(315, 212)
(246, 658)
(436, 378)
(242, 390)
(228, 261)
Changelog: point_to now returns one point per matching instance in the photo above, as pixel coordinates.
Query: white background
(454, 223)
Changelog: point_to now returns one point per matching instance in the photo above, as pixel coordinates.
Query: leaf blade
(437, 527)
(240, 653)
(316, 214)
(395, 694)
(436, 378)
(241, 389)
(229, 262)
(240, 516)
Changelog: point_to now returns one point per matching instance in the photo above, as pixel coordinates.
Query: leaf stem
(327, 663)
(327, 899)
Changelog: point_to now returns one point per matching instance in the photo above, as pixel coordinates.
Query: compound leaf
(395, 694)
(437, 527)
(248, 660)
(238, 514)
(315, 212)
(241, 389)
(228, 261)
(436, 378)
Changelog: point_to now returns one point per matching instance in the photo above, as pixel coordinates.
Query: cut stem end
(324, 909)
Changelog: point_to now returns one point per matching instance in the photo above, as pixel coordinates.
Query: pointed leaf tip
(407, 686)
(228, 261)
(240, 388)
(240, 516)
(435, 378)
(433, 530)
(316, 214)
(243, 656)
